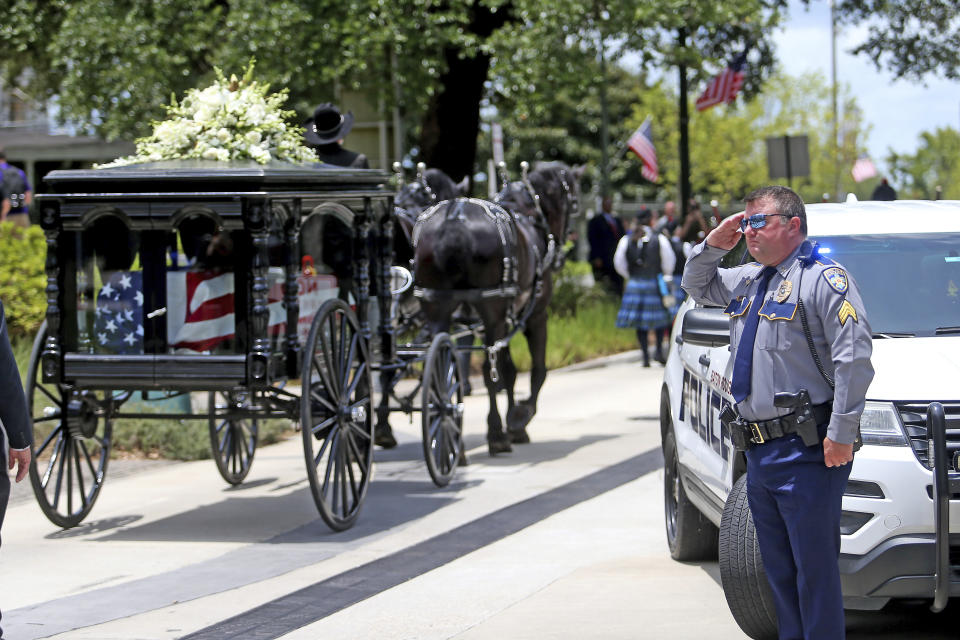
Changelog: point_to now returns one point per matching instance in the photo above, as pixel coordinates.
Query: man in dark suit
(603, 233)
(17, 431)
(325, 131)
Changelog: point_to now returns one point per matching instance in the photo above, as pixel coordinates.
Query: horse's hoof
(499, 446)
(519, 417)
(383, 437)
(518, 436)
(462, 460)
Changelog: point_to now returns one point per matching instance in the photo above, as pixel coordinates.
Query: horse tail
(452, 255)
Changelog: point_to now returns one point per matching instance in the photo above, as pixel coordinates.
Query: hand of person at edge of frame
(727, 234)
(20, 459)
(836, 454)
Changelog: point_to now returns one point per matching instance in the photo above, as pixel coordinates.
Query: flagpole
(604, 118)
(833, 94)
(684, 129)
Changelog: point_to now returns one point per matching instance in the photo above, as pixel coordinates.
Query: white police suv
(903, 498)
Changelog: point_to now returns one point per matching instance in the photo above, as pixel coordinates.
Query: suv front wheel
(741, 570)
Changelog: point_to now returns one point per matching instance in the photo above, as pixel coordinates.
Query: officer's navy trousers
(795, 502)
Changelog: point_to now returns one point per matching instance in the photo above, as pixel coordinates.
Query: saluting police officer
(795, 476)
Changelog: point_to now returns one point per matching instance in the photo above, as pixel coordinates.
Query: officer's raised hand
(836, 454)
(727, 234)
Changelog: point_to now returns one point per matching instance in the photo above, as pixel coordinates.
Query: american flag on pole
(863, 168)
(724, 87)
(641, 143)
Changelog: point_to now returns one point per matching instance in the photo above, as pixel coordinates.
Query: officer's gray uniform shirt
(781, 358)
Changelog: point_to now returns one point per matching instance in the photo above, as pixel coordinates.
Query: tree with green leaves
(111, 66)
(933, 171)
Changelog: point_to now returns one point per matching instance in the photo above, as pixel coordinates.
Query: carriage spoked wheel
(335, 414)
(72, 430)
(442, 410)
(233, 439)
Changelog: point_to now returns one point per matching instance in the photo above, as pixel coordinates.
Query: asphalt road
(561, 539)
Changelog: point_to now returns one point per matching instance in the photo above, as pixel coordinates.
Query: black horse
(428, 188)
(498, 258)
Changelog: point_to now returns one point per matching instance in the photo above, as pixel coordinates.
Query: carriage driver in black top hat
(325, 131)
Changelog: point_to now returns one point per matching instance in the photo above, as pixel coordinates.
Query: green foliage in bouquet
(229, 120)
(22, 277)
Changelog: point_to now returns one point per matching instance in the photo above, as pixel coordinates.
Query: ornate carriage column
(52, 351)
(388, 328)
(256, 217)
(363, 224)
(292, 270)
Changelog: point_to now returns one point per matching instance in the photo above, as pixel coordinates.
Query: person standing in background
(16, 192)
(604, 231)
(325, 131)
(884, 191)
(645, 258)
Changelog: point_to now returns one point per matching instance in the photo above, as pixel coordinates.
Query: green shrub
(22, 278)
(572, 291)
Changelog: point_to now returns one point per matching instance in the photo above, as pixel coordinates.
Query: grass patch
(574, 338)
(179, 439)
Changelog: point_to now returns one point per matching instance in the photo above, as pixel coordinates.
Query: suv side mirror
(706, 327)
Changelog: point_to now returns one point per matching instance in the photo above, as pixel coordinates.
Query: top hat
(327, 125)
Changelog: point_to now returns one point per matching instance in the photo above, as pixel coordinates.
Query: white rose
(203, 114)
(211, 154)
(253, 137)
(223, 135)
(255, 114)
(211, 96)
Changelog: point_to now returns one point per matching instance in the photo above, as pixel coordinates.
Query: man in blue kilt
(646, 260)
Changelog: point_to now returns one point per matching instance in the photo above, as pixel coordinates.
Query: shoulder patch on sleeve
(836, 278)
(846, 311)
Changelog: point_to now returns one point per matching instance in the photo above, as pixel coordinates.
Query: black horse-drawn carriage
(267, 287)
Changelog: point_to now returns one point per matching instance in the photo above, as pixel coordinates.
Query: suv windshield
(910, 283)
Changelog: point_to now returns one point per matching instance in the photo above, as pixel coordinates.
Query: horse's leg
(382, 433)
(520, 417)
(494, 328)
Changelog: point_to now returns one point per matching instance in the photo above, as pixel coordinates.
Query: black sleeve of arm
(13, 405)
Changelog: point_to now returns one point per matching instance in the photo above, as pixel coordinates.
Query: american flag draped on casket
(118, 314)
(200, 309)
(200, 306)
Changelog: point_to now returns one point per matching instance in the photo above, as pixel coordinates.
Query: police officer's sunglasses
(759, 220)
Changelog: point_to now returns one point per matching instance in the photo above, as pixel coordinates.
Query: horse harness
(506, 225)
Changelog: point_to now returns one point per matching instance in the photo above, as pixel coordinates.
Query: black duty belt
(764, 430)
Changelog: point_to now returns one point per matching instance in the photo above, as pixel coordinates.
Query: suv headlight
(880, 424)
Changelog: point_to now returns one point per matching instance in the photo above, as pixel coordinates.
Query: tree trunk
(448, 136)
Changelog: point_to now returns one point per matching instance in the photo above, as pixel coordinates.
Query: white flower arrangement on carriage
(232, 119)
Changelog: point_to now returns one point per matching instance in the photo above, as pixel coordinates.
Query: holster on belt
(803, 420)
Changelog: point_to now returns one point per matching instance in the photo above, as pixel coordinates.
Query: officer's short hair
(785, 200)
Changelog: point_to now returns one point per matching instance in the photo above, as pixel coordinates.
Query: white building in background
(34, 142)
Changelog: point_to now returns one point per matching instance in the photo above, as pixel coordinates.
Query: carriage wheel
(335, 411)
(72, 444)
(232, 440)
(442, 410)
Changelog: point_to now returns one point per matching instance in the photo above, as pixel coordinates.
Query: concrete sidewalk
(561, 539)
